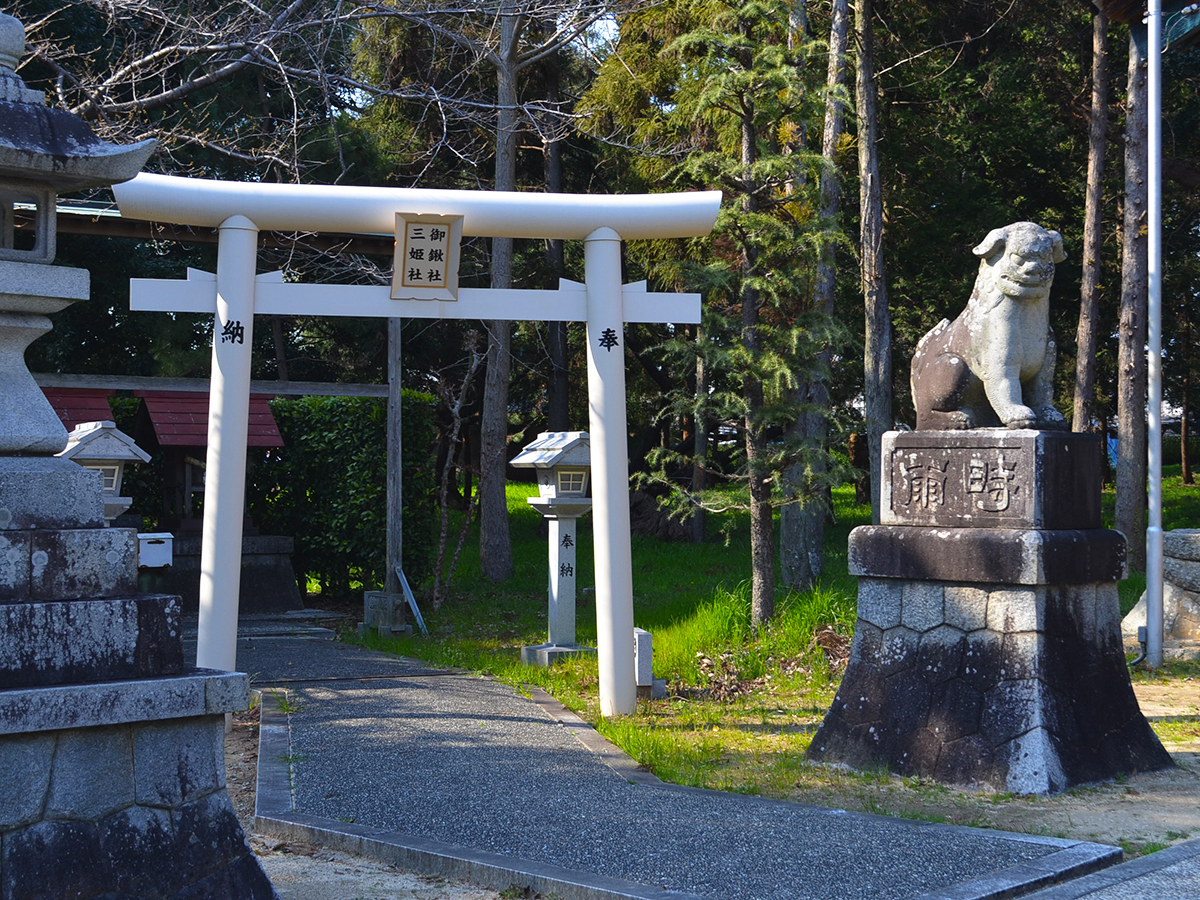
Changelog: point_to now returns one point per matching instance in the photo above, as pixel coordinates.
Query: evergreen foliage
(327, 487)
(722, 97)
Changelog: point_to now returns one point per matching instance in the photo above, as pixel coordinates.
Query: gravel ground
(304, 872)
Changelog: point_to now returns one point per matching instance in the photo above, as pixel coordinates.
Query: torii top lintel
(372, 210)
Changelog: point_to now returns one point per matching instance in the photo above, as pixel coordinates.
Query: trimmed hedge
(327, 487)
(1171, 455)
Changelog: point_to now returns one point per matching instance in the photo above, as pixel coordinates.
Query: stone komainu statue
(994, 364)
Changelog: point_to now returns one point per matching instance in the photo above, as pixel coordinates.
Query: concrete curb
(478, 867)
(1019, 881)
(607, 752)
(276, 816)
(1127, 874)
(273, 791)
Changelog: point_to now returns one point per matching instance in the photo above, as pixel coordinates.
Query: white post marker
(561, 630)
(228, 423)
(605, 304)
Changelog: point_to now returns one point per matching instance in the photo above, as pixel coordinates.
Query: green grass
(1177, 731)
(284, 703)
(1181, 502)
(693, 598)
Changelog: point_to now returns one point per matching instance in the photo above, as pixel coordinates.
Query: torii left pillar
(225, 463)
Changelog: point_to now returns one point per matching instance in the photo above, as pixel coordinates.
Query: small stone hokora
(994, 365)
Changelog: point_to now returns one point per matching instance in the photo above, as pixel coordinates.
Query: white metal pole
(225, 467)
(1154, 531)
(610, 472)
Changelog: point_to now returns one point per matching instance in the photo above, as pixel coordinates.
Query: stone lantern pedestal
(113, 751)
(987, 649)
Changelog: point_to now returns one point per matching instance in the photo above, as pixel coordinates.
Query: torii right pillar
(987, 650)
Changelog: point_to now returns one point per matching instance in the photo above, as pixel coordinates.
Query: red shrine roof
(180, 419)
(76, 405)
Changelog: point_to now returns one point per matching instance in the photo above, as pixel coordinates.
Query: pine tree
(719, 84)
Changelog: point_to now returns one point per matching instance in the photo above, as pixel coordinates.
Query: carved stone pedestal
(117, 789)
(991, 655)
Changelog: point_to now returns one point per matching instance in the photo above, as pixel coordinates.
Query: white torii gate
(240, 209)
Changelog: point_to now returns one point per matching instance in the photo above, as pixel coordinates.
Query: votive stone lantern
(562, 460)
(43, 152)
(104, 448)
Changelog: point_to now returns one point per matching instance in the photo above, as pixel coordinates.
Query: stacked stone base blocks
(112, 750)
(124, 811)
(988, 648)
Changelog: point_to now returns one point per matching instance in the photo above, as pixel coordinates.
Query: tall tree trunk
(395, 462)
(558, 411)
(1185, 461)
(495, 546)
(877, 345)
(1131, 359)
(802, 525)
(700, 439)
(762, 514)
(281, 363)
(1088, 335)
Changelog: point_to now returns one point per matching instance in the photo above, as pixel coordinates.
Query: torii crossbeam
(239, 210)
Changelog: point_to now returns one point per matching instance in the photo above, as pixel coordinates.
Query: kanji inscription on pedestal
(967, 482)
(426, 261)
(995, 478)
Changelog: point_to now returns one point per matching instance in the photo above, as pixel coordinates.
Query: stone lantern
(43, 152)
(104, 448)
(562, 460)
(112, 747)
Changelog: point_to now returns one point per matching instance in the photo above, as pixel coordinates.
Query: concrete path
(441, 772)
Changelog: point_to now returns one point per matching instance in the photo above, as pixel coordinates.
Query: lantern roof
(555, 448)
(53, 146)
(102, 441)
